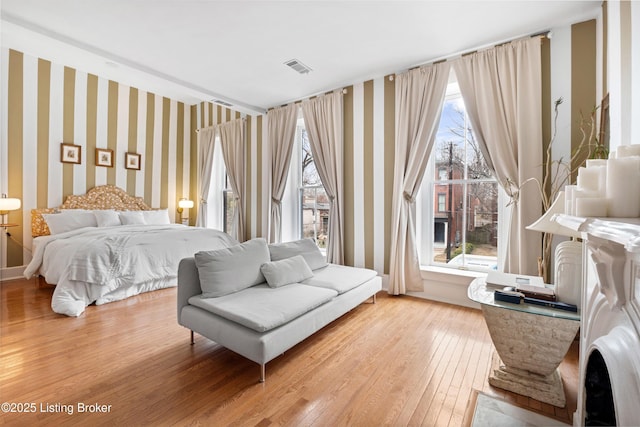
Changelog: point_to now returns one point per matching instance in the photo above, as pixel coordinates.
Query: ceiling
(234, 51)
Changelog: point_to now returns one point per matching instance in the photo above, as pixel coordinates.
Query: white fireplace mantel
(610, 321)
(624, 231)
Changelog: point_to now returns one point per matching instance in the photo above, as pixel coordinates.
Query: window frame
(317, 225)
(425, 209)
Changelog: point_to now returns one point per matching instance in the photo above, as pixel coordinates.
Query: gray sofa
(259, 300)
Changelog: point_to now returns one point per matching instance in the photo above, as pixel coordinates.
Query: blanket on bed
(110, 263)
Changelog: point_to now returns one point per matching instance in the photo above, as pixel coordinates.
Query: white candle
(589, 179)
(628, 150)
(591, 206)
(623, 178)
(569, 198)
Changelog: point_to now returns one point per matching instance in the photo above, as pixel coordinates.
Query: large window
(217, 203)
(314, 203)
(459, 208)
(228, 205)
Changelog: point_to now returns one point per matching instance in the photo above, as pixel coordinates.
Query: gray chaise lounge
(260, 321)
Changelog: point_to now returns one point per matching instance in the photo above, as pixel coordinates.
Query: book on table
(530, 286)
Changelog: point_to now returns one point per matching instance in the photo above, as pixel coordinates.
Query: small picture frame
(70, 153)
(132, 161)
(104, 157)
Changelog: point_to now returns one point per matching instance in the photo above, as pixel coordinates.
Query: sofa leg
(374, 298)
(262, 372)
(192, 340)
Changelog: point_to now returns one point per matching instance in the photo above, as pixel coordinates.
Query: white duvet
(108, 264)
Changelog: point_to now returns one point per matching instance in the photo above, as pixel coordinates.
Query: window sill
(447, 285)
(429, 272)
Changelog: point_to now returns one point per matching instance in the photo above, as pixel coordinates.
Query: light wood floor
(402, 361)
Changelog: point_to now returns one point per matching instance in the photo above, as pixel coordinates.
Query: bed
(106, 246)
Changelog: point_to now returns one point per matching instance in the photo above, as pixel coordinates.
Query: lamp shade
(9, 204)
(546, 224)
(185, 204)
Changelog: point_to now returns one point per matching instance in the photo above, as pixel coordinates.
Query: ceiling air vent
(221, 102)
(298, 66)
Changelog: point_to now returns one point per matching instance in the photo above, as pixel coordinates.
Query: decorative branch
(557, 174)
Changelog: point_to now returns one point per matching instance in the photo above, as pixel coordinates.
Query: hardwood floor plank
(402, 361)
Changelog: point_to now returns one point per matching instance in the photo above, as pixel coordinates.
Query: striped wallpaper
(49, 103)
(369, 135)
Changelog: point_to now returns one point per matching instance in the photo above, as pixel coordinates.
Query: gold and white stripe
(45, 104)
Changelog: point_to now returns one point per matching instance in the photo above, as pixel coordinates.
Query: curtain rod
(546, 33)
(244, 119)
(299, 101)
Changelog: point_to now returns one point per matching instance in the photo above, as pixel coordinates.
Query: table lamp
(184, 204)
(8, 204)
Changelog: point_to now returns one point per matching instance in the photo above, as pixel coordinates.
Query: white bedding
(108, 264)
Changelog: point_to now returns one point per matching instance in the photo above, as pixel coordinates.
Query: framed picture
(104, 157)
(132, 161)
(70, 153)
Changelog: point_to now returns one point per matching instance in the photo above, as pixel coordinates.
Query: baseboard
(12, 273)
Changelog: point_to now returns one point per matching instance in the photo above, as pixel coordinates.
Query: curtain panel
(206, 144)
(323, 117)
(281, 125)
(419, 98)
(502, 91)
(232, 141)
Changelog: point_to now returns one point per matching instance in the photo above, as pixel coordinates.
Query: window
(228, 205)
(217, 206)
(460, 219)
(314, 203)
(442, 198)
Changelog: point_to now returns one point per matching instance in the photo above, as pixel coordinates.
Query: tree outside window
(314, 203)
(465, 205)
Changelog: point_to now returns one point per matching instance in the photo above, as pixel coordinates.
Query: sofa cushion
(231, 269)
(286, 271)
(263, 308)
(340, 278)
(305, 247)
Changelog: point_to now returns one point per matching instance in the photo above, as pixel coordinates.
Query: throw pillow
(305, 247)
(156, 217)
(131, 218)
(231, 269)
(107, 218)
(286, 271)
(69, 220)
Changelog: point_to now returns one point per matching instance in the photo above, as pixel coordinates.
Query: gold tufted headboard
(98, 198)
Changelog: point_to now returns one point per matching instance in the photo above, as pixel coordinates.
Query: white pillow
(305, 247)
(231, 269)
(131, 218)
(286, 271)
(156, 217)
(69, 220)
(107, 218)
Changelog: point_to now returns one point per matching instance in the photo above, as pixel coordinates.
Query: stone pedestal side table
(530, 343)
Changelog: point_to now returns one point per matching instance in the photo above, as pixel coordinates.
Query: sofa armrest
(188, 283)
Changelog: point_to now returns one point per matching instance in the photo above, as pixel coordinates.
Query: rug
(490, 411)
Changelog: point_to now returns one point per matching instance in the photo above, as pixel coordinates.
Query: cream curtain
(323, 118)
(502, 93)
(281, 125)
(233, 149)
(206, 144)
(419, 98)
